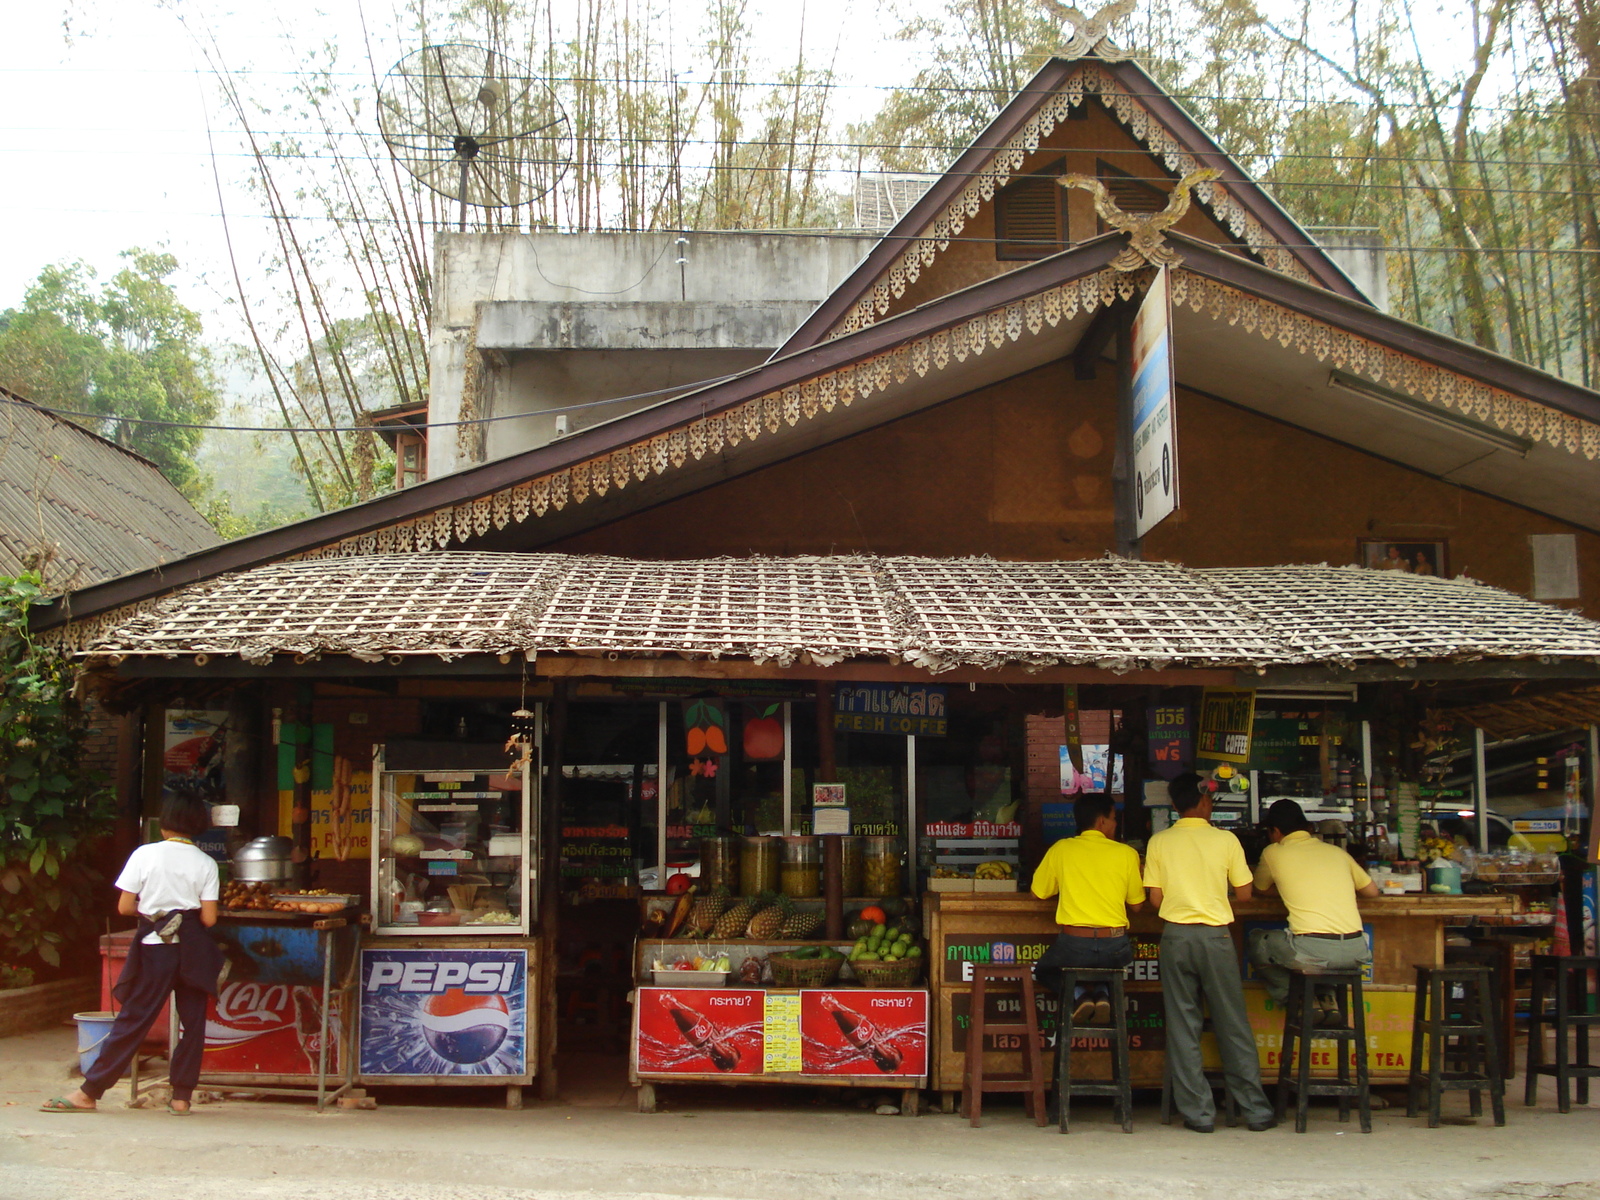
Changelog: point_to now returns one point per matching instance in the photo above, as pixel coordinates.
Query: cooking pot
(264, 860)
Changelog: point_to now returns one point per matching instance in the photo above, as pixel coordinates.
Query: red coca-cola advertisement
(861, 1031)
(268, 1028)
(701, 1031)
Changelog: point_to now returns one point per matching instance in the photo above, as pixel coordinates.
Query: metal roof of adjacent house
(95, 509)
(936, 614)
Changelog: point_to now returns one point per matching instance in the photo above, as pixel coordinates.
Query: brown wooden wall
(1021, 470)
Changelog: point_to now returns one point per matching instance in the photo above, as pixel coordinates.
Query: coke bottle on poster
(863, 1033)
(701, 1032)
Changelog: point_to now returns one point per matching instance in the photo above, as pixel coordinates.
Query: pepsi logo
(464, 1029)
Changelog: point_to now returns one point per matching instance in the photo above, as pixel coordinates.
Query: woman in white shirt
(171, 886)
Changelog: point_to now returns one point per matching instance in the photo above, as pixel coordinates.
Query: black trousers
(1072, 951)
(157, 980)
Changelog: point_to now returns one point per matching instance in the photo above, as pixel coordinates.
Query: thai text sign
(914, 710)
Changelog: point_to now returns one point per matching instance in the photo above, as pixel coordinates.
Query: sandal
(180, 1112)
(62, 1105)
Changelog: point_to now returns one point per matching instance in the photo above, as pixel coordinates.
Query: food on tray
(696, 962)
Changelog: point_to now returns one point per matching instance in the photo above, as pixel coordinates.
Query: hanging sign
(915, 710)
(1155, 447)
(1169, 738)
(1227, 716)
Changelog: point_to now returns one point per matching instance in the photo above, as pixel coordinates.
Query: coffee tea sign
(1227, 716)
(913, 710)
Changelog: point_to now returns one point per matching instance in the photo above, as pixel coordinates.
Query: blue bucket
(93, 1029)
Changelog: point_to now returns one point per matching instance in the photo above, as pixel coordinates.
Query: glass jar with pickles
(880, 871)
(758, 865)
(719, 865)
(800, 867)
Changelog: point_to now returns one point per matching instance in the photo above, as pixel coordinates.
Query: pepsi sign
(444, 1012)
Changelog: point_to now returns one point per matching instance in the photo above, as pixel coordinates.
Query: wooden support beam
(1092, 345)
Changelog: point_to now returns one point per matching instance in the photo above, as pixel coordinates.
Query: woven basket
(888, 974)
(804, 972)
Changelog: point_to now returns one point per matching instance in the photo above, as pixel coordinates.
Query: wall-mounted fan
(474, 126)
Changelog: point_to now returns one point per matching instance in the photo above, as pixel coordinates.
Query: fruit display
(694, 962)
(885, 943)
(736, 920)
(1434, 846)
(994, 869)
(703, 915)
(943, 872)
(767, 923)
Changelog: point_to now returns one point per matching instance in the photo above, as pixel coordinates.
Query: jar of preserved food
(850, 864)
(800, 870)
(758, 865)
(880, 866)
(719, 864)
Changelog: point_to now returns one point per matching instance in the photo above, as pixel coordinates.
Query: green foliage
(52, 811)
(127, 349)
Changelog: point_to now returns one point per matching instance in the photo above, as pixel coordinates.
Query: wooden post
(833, 887)
(550, 889)
(827, 760)
(300, 814)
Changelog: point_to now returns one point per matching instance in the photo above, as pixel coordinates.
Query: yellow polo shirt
(1195, 865)
(1096, 877)
(1317, 881)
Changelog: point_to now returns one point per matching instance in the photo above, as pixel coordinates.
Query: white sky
(103, 141)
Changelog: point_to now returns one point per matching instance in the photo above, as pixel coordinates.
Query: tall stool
(1300, 1030)
(1031, 1080)
(1564, 978)
(1438, 1018)
(1119, 1087)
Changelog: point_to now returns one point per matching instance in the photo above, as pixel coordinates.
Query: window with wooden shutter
(1131, 194)
(1030, 217)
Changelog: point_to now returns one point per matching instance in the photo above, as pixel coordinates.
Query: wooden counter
(962, 929)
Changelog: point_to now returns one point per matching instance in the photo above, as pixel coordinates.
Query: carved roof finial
(1145, 230)
(1090, 35)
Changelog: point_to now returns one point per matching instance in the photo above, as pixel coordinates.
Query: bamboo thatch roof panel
(937, 614)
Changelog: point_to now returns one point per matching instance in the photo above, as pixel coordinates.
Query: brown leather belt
(1332, 937)
(1095, 931)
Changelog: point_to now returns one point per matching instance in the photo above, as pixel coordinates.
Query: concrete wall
(552, 310)
(1021, 470)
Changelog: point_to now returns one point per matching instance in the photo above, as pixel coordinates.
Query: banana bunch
(993, 869)
(946, 873)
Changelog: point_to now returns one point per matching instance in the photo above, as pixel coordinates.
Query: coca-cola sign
(862, 1031)
(700, 1031)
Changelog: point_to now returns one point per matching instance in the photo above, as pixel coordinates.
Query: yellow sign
(1388, 1020)
(349, 829)
(782, 1030)
(1226, 718)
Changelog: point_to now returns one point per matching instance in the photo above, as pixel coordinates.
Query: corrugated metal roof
(104, 511)
(937, 614)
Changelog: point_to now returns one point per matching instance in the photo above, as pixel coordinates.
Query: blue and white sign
(444, 1012)
(1155, 444)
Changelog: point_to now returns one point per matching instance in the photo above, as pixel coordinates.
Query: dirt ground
(744, 1144)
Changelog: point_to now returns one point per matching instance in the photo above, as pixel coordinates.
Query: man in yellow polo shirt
(1097, 880)
(1319, 884)
(1190, 870)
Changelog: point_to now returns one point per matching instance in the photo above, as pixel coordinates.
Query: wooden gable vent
(1132, 195)
(1030, 216)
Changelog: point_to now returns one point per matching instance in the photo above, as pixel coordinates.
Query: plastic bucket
(93, 1029)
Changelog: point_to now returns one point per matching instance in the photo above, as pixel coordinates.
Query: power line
(399, 428)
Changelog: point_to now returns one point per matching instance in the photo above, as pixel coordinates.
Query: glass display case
(457, 845)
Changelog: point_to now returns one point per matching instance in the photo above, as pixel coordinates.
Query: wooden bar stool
(1031, 1080)
(1472, 1063)
(1566, 980)
(1348, 1035)
(1119, 1086)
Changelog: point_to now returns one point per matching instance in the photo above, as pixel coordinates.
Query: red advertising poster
(700, 1031)
(269, 1029)
(860, 1031)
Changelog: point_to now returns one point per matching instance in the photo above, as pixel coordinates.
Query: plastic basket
(888, 974)
(804, 972)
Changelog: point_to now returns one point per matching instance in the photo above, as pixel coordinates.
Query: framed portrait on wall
(1414, 558)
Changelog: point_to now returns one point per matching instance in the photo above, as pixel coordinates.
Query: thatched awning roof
(935, 614)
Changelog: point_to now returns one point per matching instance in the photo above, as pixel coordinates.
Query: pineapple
(732, 922)
(768, 923)
(802, 924)
(703, 916)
